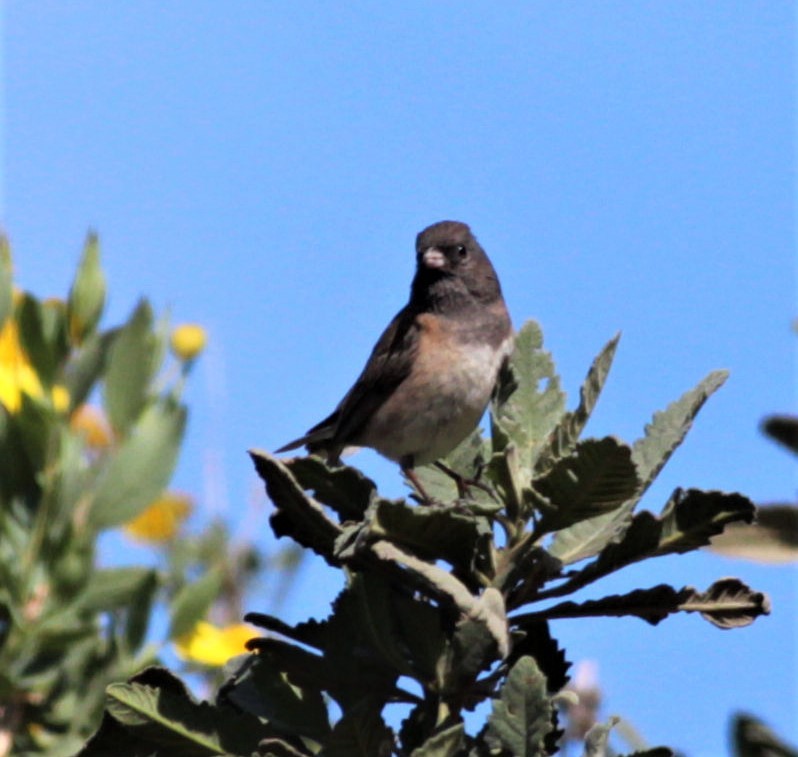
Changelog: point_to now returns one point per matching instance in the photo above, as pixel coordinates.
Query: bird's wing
(389, 364)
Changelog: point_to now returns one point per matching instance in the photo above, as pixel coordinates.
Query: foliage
(447, 606)
(71, 472)
(773, 538)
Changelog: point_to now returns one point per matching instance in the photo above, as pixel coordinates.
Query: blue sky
(263, 169)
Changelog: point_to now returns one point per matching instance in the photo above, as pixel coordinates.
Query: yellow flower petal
(188, 340)
(162, 519)
(16, 373)
(211, 645)
(60, 396)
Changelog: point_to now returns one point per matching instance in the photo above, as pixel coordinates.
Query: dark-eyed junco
(430, 375)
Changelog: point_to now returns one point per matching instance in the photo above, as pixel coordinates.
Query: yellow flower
(211, 645)
(188, 340)
(162, 519)
(16, 372)
(60, 397)
(90, 421)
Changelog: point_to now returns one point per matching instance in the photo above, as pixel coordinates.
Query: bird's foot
(463, 484)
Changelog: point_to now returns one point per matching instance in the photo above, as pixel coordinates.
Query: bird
(430, 376)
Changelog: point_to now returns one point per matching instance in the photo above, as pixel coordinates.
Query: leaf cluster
(67, 627)
(448, 606)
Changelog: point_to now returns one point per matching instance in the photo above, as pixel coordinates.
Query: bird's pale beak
(433, 258)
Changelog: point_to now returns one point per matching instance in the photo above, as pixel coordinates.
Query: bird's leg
(406, 464)
(463, 483)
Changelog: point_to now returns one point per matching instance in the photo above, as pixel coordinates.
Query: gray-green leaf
(521, 717)
(141, 468)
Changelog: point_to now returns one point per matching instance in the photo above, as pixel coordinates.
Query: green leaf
(669, 427)
(42, 334)
(752, 738)
(468, 460)
(85, 365)
(539, 644)
(666, 431)
(263, 690)
(527, 414)
(130, 368)
(140, 470)
(589, 537)
(598, 737)
(298, 515)
(782, 429)
(139, 611)
(521, 717)
(773, 538)
(346, 490)
(567, 432)
(170, 719)
(193, 602)
(6, 280)
(446, 743)
(35, 423)
(687, 522)
(728, 603)
(112, 588)
(429, 532)
(487, 609)
(599, 476)
(361, 732)
(87, 294)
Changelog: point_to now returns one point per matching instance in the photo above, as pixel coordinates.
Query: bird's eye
(461, 251)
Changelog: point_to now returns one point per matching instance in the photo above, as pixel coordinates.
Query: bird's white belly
(435, 408)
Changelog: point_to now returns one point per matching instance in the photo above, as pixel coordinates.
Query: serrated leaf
(669, 427)
(599, 476)
(6, 280)
(130, 367)
(772, 539)
(141, 468)
(193, 602)
(570, 427)
(728, 603)
(539, 644)
(521, 717)
(527, 413)
(346, 490)
(180, 726)
(87, 294)
(298, 515)
(686, 523)
(361, 732)
(589, 537)
(263, 690)
(405, 632)
(446, 743)
(487, 609)
(429, 532)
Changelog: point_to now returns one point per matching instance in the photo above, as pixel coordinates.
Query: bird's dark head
(451, 264)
